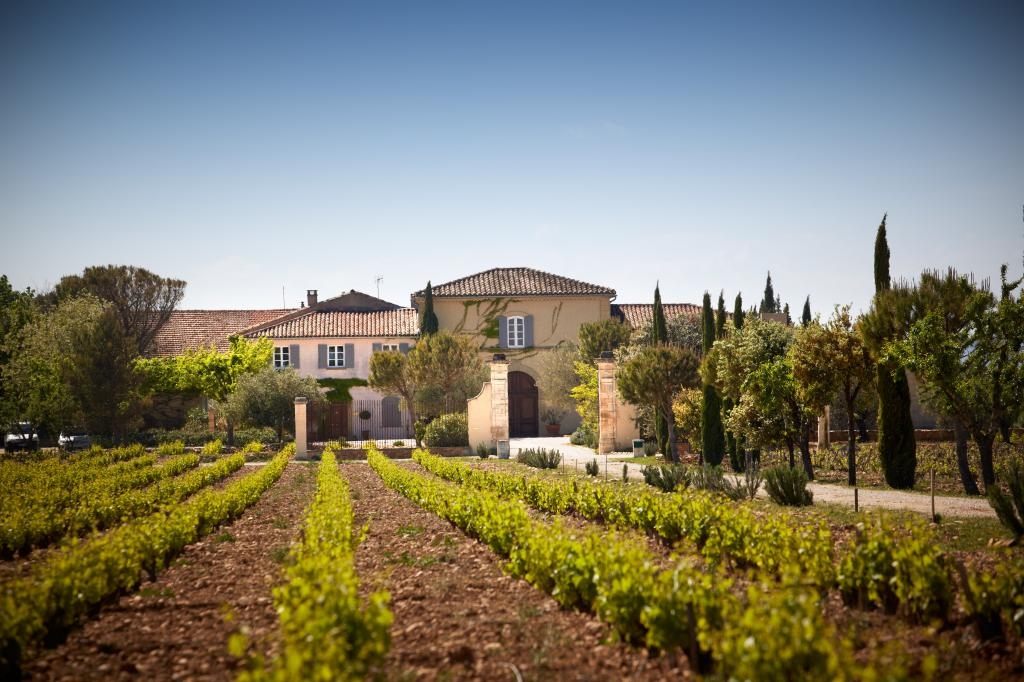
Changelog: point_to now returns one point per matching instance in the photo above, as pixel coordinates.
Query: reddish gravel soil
(175, 628)
(459, 616)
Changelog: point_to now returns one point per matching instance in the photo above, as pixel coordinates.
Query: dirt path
(174, 628)
(458, 616)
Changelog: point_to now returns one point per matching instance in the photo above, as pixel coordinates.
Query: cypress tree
(720, 316)
(737, 312)
(659, 334)
(737, 453)
(805, 317)
(897, 448)
(712, 435)
(428, 319)
(768, 303)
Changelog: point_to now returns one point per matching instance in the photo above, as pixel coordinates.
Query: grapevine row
(334, 634)
(899, 568)
(103, 506)
(76, 579)
(770, 632)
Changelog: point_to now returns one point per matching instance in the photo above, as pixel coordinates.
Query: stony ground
(457, 615)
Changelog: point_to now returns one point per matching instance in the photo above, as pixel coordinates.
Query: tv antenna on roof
(380, 278)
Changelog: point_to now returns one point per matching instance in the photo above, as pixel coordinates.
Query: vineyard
(123, 563)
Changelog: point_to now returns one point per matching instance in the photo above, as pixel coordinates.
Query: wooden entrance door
(523, 419)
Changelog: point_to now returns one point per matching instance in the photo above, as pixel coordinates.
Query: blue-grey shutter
(377, 347)
(403, 348)
(321, 355)
(293, 356)
(502, 331)
(350, 355)
(528, 331)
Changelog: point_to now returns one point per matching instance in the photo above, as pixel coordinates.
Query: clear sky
(248, 147)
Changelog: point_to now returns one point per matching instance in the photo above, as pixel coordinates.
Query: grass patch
(281, 523)
(163, 592)
(279, 555)
(225, 536)
(410, 531)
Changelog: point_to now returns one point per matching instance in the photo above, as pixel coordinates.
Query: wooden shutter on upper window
(321, 356)
(293, 356)
(350, 355)
(502, 331)
(528, 331)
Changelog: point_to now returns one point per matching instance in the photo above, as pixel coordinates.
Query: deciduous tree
(832, 359)
(653, 376)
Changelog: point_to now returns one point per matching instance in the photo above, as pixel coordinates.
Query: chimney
(311, 297)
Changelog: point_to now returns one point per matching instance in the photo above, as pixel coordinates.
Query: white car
(74, 440)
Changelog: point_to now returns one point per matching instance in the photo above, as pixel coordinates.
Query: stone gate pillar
(607, 402)
(300, 426)
(499, 398)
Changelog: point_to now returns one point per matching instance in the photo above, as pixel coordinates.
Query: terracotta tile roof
(335, 324)
(191, 329)
(639, 315)
(516, 282)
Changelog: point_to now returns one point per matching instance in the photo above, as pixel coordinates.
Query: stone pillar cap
(301, 400)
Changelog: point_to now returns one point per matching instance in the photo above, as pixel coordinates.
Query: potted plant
(365, 416)
(552, 420)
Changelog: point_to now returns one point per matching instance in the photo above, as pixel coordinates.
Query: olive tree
(653, 376)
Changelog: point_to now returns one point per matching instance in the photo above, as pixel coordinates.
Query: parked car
(75, 439)
(21, 436)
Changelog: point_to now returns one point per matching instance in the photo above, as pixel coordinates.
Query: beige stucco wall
(308, 356)
(555, 319)
(480, 418)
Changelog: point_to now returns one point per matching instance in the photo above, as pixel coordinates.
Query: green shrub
(752, 480)
(1009, 504)
(398, 444)
(666, 477)
(540, 458)
(336, 445)
(483, 451)
(254, 447)
(625, 473)
(592, 468)
(650, 448)
(584, 436)
(213, 448)
(787, 486)
(711, 477)
(447, 431)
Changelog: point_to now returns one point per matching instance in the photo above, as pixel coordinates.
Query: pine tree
(768, 303)
(805, 317)
(897, 448)
(659, 335)
(428, 319)
(712, 434)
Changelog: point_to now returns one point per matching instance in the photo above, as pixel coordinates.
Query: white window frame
(336, 356)
(282, 357)
(516, 328)
(389, 346)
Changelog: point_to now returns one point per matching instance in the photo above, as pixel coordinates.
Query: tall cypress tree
(659, 334)
(897, 448)
(737, 453)
(768, 303)
(720, 316)
(711, 432)
(428, 319)
(805, 317)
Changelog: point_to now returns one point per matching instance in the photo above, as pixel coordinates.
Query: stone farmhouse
(518, 313)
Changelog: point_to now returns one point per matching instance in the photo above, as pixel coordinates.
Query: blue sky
(250, 147)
